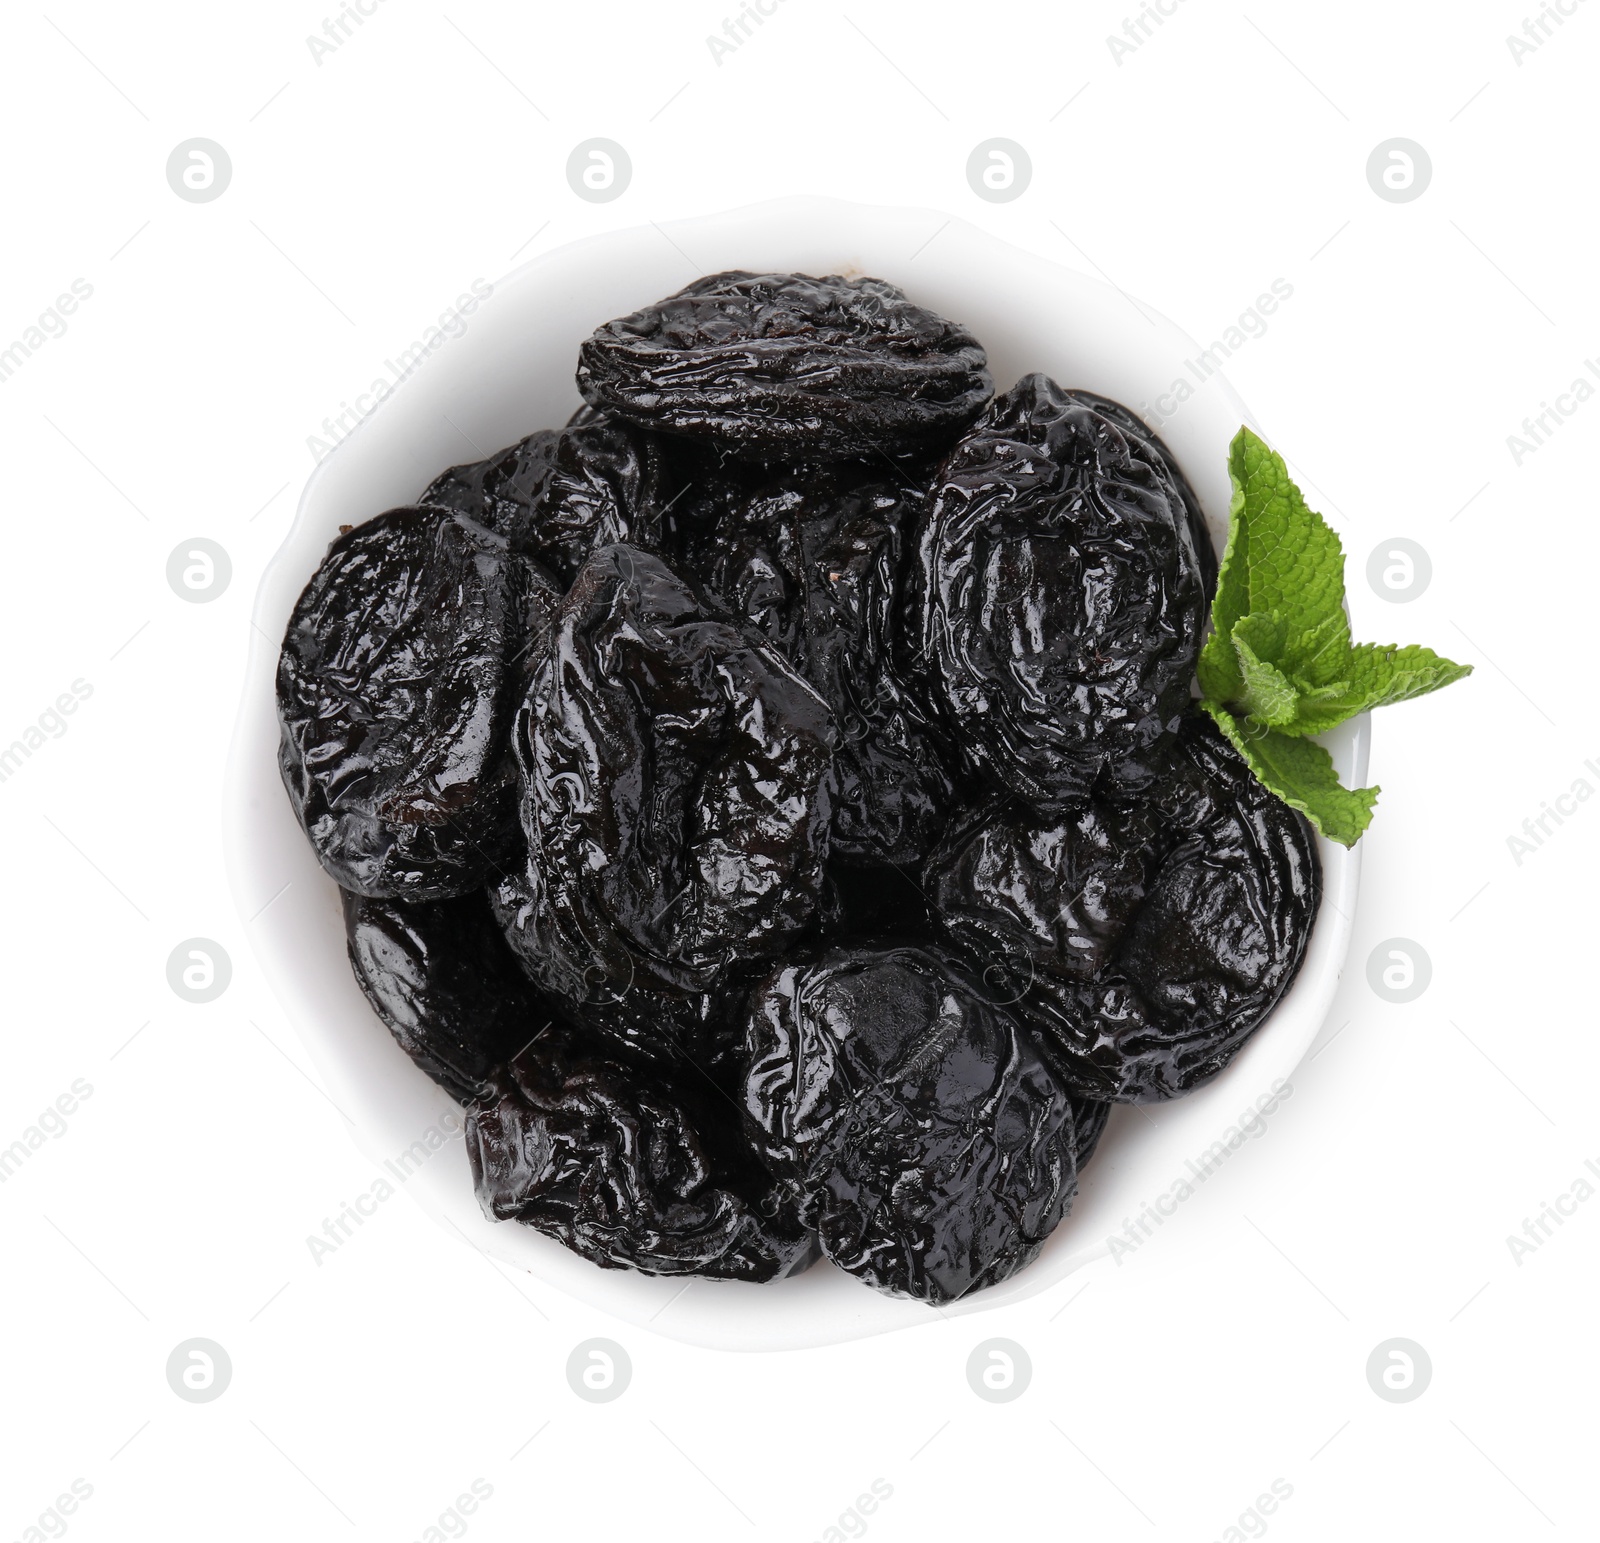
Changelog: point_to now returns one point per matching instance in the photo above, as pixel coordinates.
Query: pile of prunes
(772, 804)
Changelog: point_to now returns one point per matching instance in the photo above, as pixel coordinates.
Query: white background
(368, 191)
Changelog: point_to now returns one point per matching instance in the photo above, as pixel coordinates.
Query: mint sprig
(1279, 665)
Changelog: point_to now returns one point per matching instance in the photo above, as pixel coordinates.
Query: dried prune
(1089, 1116)
(694, 1029)
(402, 666)
(913, 1122)
(607, 484)
(500, 491)
(1056, 600)
(558, 496)
(440, 975)
(813, 559)
(780, 366)
(1043, 892)
(629, 1165)
(1210, 949)
(1199, 530)
(675, 790)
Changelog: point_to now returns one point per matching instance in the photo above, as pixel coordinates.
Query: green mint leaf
(1264, 633)
(1267, 695)
(1295, 561)
(1376, 676)
(1322, 652)
(1300, 772)
(1282, 556)
(1279, 665)
(1392, 673)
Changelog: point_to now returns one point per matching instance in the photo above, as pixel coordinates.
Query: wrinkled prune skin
(704, 488)
(1199, 530)
(401, 670)
(440, 976)
(914, 1123)
(675, 790)
(630, 1166)
(608, 483)
(1209, 951)
(813, 560)
(556, 496)
(784, 367)
(1050, 893)
(500, 491)
(1089, 1118)
(1056, 603)
(701, 1030)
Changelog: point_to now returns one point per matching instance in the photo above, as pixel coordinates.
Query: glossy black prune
(1043, 892)
(630, 1165)
(1207, 953)
(556, 496)
(1056, 602)
(500, 491)
(1199, 530)
(440, 976)
(914, 1123)
(784, 367)
(814, 560)
(675, 790)
(401, 669)
(607, 484)
(1089, 1118)
(693, 1029)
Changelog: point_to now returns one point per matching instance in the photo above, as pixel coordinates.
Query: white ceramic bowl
(510, 372)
